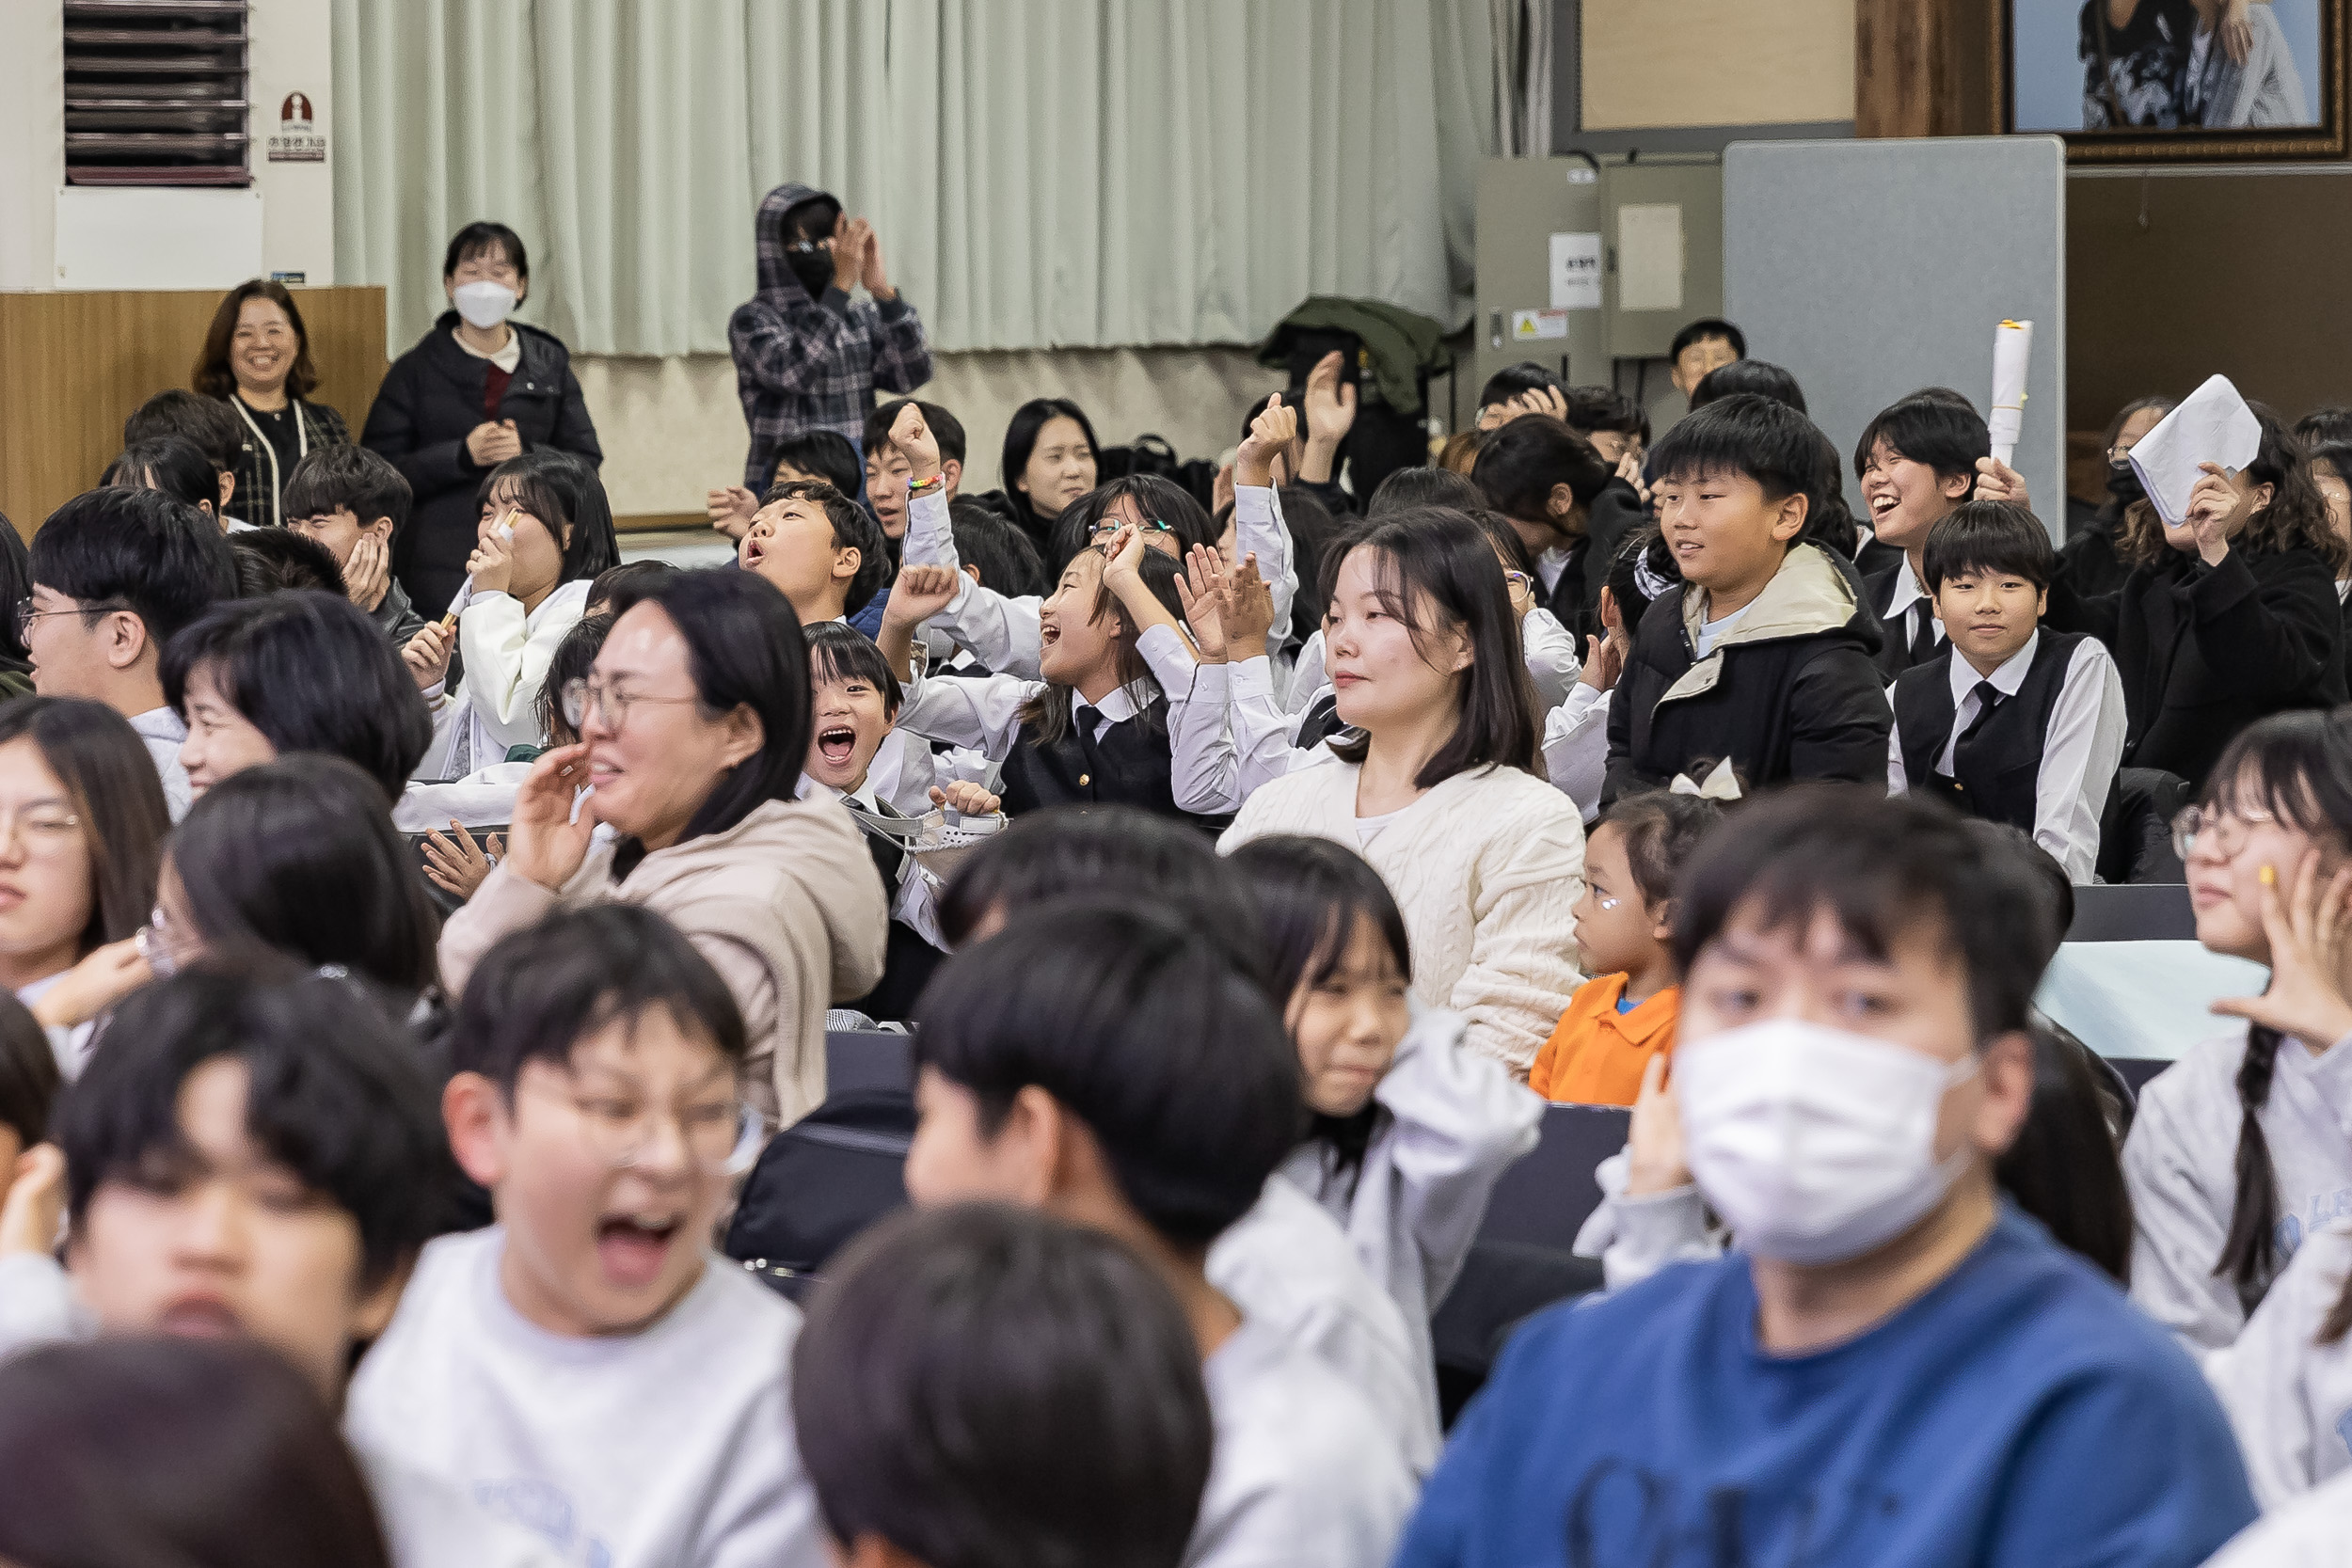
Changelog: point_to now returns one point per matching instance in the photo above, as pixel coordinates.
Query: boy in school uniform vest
(2012, 721)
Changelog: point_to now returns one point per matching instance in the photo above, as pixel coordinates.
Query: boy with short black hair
(1616, 425)
(819, 549)
(1701, 346)
(587, 1366)
(1896, 1366)
(2012, 721)
(254, 1154)
(115, 573)
(355, 502)
(997, 1389)
(1761, 654)
(887, 474)
(1916, 461)
(205, 423)
(1114, 1067)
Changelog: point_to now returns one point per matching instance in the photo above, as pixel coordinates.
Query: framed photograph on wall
(2131, 81)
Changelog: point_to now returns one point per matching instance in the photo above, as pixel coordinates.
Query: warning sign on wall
(298, 140)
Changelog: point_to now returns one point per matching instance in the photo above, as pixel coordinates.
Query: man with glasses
(116, 574)
(587, 1366)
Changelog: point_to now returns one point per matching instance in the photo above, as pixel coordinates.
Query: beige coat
(785, 905)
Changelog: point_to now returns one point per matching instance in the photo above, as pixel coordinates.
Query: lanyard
(302, 448)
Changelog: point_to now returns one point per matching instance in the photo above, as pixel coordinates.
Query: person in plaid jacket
(806, 356)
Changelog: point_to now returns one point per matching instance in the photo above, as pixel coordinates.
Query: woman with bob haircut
(545, 535)
(693, 724)
(296, 856)
(257, 359)
(1436, 781)
(1050, 459)
(294, 672)
(2225, 619)
(82, 828)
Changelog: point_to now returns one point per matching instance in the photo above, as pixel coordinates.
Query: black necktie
(1082, 721)
(1922, 632)
(1987, 698)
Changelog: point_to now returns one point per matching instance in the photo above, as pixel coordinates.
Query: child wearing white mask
(1896, 1366)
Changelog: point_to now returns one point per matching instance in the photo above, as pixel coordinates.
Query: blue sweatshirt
(2021, 1412)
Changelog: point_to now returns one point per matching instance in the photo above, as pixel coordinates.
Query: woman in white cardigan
(1435, 783)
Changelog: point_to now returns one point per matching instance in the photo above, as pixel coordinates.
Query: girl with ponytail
(2286, 1381)
(2241, 1150)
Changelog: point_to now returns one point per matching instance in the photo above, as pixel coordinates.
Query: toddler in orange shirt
(1624, 1015)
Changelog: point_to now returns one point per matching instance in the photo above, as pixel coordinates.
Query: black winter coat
(430, 402)
(2204, 651)
(1793, 693)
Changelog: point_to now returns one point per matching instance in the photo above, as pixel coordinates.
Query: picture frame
(2158, 74)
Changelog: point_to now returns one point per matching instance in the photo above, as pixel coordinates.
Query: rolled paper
(2013, 348)
(465, 590)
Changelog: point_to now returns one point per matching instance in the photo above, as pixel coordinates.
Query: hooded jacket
(785, 905)
(805, 364)
(430, 400)
(1790, 693)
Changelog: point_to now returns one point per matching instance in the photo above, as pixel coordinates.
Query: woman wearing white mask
(477, 390)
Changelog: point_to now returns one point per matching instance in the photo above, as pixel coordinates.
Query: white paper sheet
(1576, 271)
(1650, 256)
(2013, 348)
(2212, 425)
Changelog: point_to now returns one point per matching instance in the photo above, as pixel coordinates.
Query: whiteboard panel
(1871, 269)
(157, 237)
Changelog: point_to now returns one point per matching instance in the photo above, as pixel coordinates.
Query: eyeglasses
(1519, 582)
(721, 1137)
(46, 832)
(26, 614)
(2226, 830)
(1109, 526)
(583, 694)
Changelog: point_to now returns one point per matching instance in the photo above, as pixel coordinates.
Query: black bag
(1153, 454)
(2136, 829)
(822, 1180)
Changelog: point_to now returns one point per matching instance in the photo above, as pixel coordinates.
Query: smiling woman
(257, 359)
(693, 727)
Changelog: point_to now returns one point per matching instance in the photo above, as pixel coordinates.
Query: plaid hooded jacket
(813, 364)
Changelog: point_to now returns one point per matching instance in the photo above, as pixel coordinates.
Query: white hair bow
(1721, 785)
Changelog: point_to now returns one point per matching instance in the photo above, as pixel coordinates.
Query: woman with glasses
(2229, 614)
(693, 724)
(2089, 559)
(82, 826)
(2240, 1150)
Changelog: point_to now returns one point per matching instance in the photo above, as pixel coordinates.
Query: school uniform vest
(1129, 765)
(1996, 770)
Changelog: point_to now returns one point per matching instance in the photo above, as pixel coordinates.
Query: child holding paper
(2228, 616)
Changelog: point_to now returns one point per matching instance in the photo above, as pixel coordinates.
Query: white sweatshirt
(2181, 1167)
(2290, 1397)
(670, 1448)
(1455, 1122)
(506, 659)
(2313, 1532)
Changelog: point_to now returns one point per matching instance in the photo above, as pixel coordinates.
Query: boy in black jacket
(2010, 721)
(1916, 461)
(1763, 656)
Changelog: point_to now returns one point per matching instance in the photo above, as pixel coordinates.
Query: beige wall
(1650, 63)
(672, 428)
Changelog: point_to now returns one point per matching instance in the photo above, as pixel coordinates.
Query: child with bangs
(819, 549)
(2008, 720)
(1410, 1130)
(545, 532)
(1917, 462)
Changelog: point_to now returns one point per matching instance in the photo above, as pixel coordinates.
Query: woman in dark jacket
(476, 390)
(2089, 561)
(2225, 619)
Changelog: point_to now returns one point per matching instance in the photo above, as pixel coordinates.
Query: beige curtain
(1042, 173)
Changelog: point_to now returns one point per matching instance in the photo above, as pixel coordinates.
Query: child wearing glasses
(587, 1366)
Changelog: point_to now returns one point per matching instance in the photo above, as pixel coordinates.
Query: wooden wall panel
(1652, 63)
(1923, 68)
(73, 366)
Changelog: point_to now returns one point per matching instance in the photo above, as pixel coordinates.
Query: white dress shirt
(914, 903)
(1908, 603)
(2080, 750)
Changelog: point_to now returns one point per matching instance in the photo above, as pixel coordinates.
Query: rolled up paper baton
(465, 590)
(2012, 347)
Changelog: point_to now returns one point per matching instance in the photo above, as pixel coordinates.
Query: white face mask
(482, 305)
(1815, 1145)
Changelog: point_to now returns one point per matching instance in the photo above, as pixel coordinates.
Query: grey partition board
(1871, 269)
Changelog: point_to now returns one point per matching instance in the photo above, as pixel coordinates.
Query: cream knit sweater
(1485, 867)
